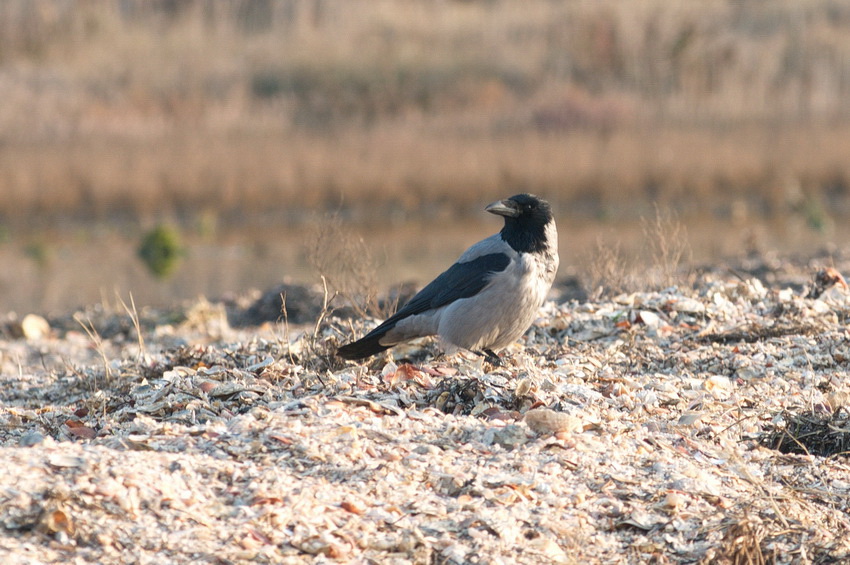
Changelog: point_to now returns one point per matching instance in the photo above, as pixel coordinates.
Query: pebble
(30, 439)
(35, 327)
(544, 421)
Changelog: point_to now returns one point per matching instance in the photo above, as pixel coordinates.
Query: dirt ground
(706, 422)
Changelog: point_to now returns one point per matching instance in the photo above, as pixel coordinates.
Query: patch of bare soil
(704, 423)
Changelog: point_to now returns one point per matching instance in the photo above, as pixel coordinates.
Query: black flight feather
(461, 280)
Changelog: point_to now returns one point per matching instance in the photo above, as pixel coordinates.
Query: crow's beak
(504, 208)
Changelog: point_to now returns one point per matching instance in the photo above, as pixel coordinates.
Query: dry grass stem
(134, 317)
(743, 543)
(99, 346)
(669, 247)
(344, 262)
(608, 271)
(286, 335)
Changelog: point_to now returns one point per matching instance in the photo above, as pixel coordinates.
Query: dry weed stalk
(742, 543)
(286, 335)
(325, 307)
(810, 433)
(322, 352)
(609, 271)
(134, 317)
(668, 243)
(345, 263)
(97, 341)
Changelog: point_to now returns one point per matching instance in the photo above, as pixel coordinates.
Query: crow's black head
(526, 220)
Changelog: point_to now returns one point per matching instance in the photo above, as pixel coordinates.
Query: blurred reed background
(240, 122)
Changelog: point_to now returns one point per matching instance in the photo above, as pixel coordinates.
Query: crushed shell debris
(673, 426)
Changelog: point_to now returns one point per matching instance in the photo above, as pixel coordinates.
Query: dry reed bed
(370, 175)
(142, 107)
(199, 441)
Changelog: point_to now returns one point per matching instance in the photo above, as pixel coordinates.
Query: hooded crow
(489, 297)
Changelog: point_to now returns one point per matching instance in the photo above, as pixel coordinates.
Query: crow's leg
(490, 357)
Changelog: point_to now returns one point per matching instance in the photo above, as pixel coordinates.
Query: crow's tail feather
(366, 346)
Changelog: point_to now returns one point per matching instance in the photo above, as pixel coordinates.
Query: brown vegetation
(245, 107)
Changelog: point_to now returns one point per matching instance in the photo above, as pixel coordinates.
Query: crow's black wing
(461, 280)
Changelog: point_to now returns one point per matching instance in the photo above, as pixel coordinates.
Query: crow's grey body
(489, 297)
